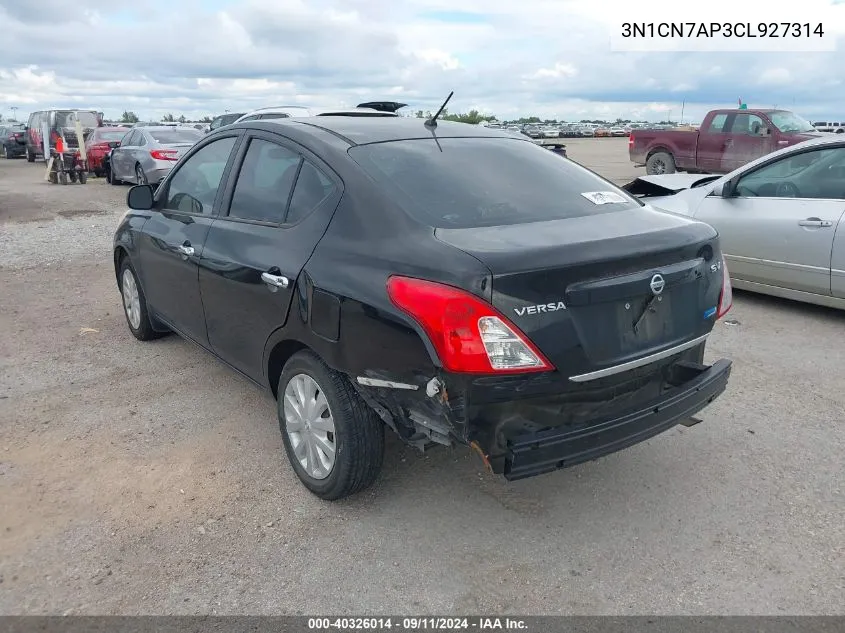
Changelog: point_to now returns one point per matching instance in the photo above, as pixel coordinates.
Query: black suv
(13, 140)
(456, 284)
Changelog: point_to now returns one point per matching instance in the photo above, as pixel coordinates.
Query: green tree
(168, 118)
(182, 118)
(206, 119)
(128, 117)
(473, 117)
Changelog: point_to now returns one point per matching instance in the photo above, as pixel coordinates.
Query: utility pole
(683, 103)
(14, 110)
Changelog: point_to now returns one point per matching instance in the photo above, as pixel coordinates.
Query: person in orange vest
(60, 145)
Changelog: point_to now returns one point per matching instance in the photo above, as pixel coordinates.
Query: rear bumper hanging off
(536, 453)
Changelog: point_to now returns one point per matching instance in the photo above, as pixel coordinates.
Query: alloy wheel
(131, 299)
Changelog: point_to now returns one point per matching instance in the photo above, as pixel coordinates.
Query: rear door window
(264, 182)
(476, 182)
(717, 124)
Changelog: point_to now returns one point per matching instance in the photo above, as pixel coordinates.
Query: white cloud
(558, 71)
(775, 76)
(544, 57)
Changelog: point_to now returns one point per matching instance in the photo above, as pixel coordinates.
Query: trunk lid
(180, 148)
(597, 291)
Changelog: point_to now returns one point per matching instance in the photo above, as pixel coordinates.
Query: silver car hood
(676, 193)
(666, 184)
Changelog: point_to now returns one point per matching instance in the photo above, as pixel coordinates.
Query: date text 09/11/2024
(722, 29)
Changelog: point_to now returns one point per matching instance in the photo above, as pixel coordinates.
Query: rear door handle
(815, 222)
(274, 282)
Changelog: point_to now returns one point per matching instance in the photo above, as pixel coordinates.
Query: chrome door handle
(187, 251)
(815, 222)
(275, 281)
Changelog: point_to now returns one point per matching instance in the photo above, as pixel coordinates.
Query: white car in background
(372, 108)
(780, 218)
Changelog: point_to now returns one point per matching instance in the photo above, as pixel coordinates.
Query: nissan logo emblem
(657, 284)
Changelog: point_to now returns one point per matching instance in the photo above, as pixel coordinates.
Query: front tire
(6, 153)
(135, 304)
(660, 163)
(333, 439)
(110, 176)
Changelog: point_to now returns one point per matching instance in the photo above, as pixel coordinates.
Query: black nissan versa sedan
(454, 283)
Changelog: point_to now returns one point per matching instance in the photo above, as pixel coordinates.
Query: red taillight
(726, 297)
(12, 137)
(164, 154)
(631, 139)
(469, 335)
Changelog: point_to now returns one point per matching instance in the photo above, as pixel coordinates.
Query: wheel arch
(278, 357)
(120, 253)
(659, 149)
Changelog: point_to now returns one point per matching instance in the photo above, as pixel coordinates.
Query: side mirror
(140, 198)
(766, 131)
(724, 189)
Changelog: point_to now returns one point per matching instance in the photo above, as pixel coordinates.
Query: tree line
(130, 117)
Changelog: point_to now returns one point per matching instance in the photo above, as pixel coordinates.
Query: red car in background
(101, 141)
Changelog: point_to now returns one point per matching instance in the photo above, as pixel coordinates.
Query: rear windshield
(65, 119)
(475, 182)
(176, 135)
(111, 135)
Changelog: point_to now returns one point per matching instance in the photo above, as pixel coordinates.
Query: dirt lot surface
(147, 478)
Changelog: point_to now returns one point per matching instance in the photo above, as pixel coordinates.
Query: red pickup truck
(726, 140)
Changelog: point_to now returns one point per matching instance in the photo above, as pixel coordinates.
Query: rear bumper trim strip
(645, 360)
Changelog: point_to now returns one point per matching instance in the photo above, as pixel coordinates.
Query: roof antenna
(432, 122)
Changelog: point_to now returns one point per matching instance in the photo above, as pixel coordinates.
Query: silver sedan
(147, 154)
(780, 218)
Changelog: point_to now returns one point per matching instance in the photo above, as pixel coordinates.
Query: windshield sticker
(604, 197)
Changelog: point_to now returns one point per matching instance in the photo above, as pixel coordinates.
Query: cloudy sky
(551, 58)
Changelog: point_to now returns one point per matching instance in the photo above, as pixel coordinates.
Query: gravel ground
(147, 478)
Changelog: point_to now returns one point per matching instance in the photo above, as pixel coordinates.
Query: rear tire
(30, 157)
(660, 163)
(357, 435)
(83, 177)
(63, 178)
